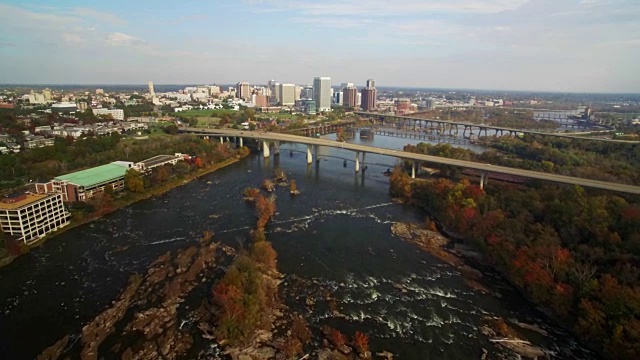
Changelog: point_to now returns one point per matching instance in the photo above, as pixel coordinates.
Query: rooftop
(95, 176)
(28, 199)
(158, 159)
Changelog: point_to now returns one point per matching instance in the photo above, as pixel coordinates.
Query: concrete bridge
(322, 129)
(314, 143)
(453, 128)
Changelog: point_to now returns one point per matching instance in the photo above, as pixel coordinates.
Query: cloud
(15, 17)
(100, 16)
(122, 39)
(386, 8)
(336, 22)
(73, 38)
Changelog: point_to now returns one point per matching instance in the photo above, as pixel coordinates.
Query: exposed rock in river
(146, 310)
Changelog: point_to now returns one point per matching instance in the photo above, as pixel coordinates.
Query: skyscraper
(369, 94)
(350, 96)
(151, 92)
(243, 91)
(322, 93)
(287, 94)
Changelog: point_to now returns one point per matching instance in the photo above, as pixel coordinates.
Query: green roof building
(83, 185)
(95, 176)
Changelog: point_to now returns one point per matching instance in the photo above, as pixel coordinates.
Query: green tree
(134, 181)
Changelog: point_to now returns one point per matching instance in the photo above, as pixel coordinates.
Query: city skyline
(566, 46)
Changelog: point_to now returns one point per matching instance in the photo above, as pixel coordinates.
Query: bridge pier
(315, 153)
(413, 169)
(265, 149)
(357, 161)
(482, 180)
(309, 156)
(276, 148)
(221, 140)
(241, 142)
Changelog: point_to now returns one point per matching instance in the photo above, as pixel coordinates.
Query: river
(335, 235)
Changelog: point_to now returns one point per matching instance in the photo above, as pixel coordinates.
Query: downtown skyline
(565, 46)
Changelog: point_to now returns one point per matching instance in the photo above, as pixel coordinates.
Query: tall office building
(287, 94)
(322, 93)
(151, 91)
(307, 92)
(243, 91)
(369, 95)
(350, 96)
(273, 88)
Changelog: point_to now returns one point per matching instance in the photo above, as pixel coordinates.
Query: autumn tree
(361, 342)
(134, 181)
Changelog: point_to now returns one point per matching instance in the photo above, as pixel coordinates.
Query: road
(560, 135)
(268, 136)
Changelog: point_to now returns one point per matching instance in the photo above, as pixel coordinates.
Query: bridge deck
(561, 135)
(267, 136)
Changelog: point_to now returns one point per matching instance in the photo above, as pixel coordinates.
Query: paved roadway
(561, 135)
(269, 136)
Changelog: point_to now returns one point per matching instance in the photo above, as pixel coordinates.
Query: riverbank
(432, 241)
(122, 201)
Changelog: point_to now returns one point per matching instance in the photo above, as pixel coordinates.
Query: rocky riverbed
(496, 329)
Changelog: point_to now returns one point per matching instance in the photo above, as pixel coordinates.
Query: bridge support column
(276, 148)
(363, 155)
(309, 156)
(221, 140)
(482, 181)
(357, 161)
(265, 149)
(413, 169)
(315, 153)
(241, 145)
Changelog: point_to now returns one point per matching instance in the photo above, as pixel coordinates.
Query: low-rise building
(159, 160)
(29, 217)
(117, 114)
(85, 184)
(35, 141)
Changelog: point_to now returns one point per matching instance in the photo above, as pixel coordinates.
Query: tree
(134, 181)
(171, 129)
(161, 174)
(361, 342)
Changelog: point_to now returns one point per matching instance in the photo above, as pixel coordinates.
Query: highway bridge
(486, 169)
(453, 127)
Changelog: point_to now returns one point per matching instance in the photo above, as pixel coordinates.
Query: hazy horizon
(586, 46)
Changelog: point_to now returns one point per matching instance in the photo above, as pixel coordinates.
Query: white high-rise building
(151, 91)
(322, 93)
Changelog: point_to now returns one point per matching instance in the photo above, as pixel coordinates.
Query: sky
(540, 45)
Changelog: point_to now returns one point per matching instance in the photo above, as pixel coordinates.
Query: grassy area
(205, 113)
(286, 116)
(208, 121)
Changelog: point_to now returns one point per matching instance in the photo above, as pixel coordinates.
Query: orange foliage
(336, 337)
(229, 299)
(361, 342)
(262, 252)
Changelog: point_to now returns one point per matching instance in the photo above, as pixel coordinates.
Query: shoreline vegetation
(141, 188)
(571, 252)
